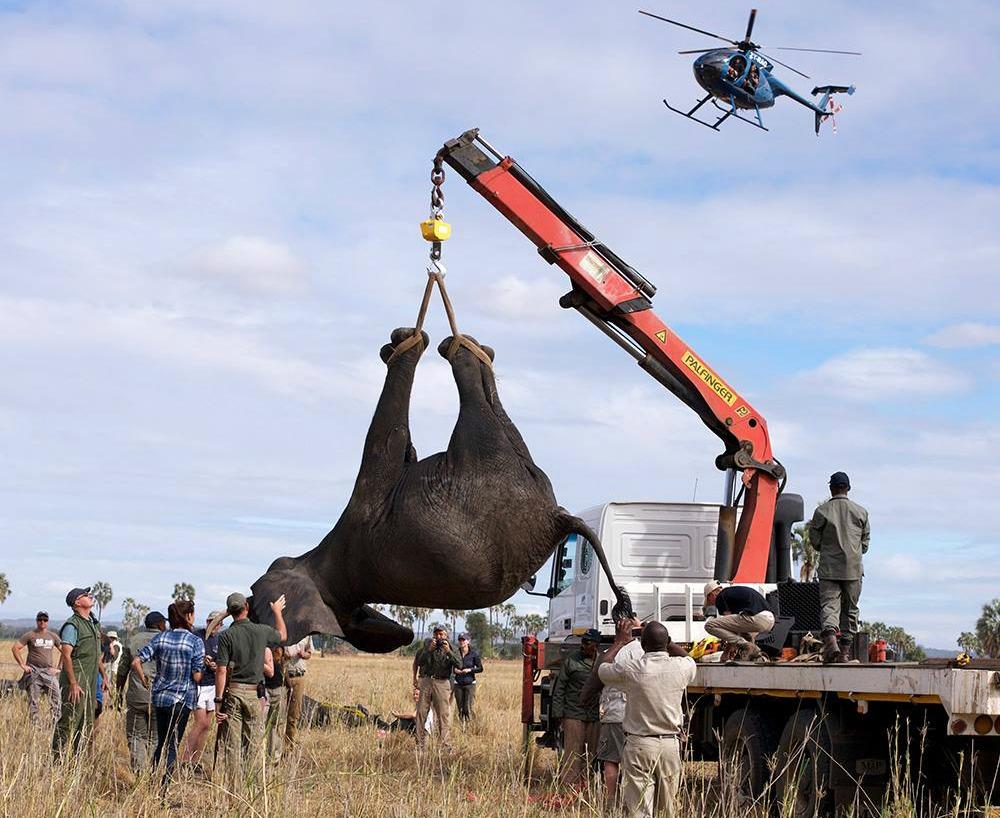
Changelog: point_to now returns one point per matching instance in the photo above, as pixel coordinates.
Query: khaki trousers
(42, 681)
(838, 602)
(296, 691)
(436, 694)
(579, 745)
(240, 734)
(277, 699)
(649, 776)
(141, 735)
(736, 627)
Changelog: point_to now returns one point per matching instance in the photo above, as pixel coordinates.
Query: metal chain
(437, 201)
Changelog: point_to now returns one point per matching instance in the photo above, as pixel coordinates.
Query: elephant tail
(306, 611)
(571, 524)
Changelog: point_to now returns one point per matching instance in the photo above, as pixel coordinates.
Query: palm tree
(403, 615)
(988, 629)
(4, 588)
(133, 614)
(452, 616)
(803, 553)
(969, 643)
(102, 596)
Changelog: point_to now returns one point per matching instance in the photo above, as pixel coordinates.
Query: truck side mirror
(529, 584)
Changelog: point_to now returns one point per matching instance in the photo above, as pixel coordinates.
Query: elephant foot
(402, 340)
(370, 631)
(450, 345)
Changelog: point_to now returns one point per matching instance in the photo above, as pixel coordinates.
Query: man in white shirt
(654, 686)
(295, 680)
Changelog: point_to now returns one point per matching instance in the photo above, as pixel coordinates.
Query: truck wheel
(749, 741)
(802, 767)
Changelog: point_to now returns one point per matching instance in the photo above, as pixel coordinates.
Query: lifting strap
(435, 276)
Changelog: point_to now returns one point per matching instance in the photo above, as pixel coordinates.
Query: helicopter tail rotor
(827, 107)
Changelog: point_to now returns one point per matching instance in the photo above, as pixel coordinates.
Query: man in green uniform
(839, 532)
(140, 717)
(81, 651)
(580, 723)
(432, 669)
(239, 671)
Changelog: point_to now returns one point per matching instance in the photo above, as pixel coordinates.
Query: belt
(659, 735)
(437, 678)
(240, 686)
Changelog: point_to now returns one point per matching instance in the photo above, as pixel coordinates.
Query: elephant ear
(306, 612)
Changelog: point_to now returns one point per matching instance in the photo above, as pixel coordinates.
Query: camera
(439, 643)
(637, 632)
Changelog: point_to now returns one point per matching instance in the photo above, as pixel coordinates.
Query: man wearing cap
(239, 669)
(432, 669)
(839, 531)
(81, 664)
(296, 657)
(579, 721)
(204, 712)
(40, 671)
(140, 717)
(743, 613)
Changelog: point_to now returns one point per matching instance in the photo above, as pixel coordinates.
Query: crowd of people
(175, 682)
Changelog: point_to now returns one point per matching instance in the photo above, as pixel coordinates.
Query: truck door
(572, 604)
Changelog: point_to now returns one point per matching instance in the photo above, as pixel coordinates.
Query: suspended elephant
(460, 529)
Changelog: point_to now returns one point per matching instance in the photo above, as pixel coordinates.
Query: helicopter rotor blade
(697, 51)
(690, 28)
(817, 50)
(753, 16)
(779, 62)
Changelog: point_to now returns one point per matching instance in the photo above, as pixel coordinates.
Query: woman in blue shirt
(180, 657)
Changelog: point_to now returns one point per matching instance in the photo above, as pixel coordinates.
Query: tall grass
(339, 771)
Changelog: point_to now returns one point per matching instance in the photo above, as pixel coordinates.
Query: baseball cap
(75, 594)
(591, 635)
(112, 634)
(464, 636)
(712, 585)
(154, 618)
(235, 602)
(840, 479)
(42, 615)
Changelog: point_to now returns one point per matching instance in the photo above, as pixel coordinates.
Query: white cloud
(518, 299)
(254, 263)
(966, 335)
(873, 375)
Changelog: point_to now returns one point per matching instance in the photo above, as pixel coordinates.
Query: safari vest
(86, 653)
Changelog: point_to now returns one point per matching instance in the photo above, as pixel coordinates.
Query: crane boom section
(617, 299)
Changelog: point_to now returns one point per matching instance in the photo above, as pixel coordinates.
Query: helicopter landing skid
(726, 113)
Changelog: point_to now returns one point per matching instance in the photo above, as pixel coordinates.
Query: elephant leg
(477, 429)
(388, 445)
(370, 631)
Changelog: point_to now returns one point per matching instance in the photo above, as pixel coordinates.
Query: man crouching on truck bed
(654, 686)
(742, 612)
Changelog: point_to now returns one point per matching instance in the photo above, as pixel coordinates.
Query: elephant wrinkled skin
(460, 529)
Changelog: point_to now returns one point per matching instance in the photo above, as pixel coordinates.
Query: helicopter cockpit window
(737, 65)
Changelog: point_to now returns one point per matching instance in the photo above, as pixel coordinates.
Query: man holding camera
(432, 669)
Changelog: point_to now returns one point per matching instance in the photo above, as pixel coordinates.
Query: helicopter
(741, 79)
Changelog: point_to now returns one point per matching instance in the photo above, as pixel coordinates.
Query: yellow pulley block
(435, 230)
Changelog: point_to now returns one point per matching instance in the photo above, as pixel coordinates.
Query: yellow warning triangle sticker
(661, 336)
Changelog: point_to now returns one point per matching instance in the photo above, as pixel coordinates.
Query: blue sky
(208, 228)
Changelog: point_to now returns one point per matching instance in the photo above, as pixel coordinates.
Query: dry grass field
(338, 771)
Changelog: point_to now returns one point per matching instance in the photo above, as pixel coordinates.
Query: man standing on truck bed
(839, 531)
(742, 612)
(579, 721)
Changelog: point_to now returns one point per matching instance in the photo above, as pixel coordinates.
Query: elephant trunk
(574, 525)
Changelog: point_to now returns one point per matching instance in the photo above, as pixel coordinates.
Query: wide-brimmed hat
(711, 586)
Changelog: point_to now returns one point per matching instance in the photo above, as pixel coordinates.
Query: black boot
(845, 651)
(831, 650)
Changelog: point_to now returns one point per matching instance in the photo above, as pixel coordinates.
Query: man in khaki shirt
(654, 685)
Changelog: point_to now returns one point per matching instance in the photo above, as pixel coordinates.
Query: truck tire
(802, 767)
(749, 741)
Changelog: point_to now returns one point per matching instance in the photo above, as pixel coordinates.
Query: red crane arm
(617, 299)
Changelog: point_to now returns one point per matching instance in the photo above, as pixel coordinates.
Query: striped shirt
(179, 654)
